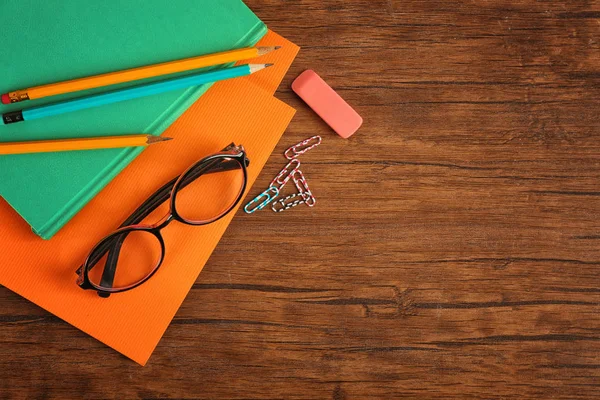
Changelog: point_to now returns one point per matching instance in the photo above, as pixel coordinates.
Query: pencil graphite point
(257, 67)
(267, 49)
(157, 139)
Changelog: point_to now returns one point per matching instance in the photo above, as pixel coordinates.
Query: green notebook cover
(54, 40)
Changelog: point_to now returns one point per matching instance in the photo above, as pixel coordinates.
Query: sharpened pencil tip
(257, 67)
(157, 139)
(266, 49)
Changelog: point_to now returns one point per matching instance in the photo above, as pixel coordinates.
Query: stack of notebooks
(73, 199)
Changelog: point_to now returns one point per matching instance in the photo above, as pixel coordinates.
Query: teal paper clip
(266, 195)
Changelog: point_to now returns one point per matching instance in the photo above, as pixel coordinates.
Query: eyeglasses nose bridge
(164, 221)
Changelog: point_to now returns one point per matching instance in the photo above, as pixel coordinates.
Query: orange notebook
(243, 111)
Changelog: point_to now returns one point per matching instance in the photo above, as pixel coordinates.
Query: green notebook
(54, 40)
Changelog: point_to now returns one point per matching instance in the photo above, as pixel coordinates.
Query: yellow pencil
(134, 74)
(108, 142)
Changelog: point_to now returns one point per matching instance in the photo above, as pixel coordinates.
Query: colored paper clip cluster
(304, 195)
(266, 197)
(290, 172)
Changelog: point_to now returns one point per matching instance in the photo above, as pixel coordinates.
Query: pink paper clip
(285, 174)
(303, 189)
(298, 149)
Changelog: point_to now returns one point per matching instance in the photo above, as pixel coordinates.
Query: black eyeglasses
(204, 193)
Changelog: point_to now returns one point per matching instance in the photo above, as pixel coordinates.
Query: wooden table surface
(455, 247)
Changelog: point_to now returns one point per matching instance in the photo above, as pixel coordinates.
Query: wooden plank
(454, 249)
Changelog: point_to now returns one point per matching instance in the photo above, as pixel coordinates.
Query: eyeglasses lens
(138, 256)
(213, 193)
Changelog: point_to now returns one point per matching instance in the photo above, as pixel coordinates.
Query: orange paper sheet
(243, 111)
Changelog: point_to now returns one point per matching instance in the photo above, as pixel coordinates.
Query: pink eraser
(5, 99)
(327, 103)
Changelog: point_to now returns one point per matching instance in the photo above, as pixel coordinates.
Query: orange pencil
(108, 142)
(134, 74)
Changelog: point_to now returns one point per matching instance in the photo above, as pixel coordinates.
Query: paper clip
(303, 189)
(285, 174)
(268, 199)
(285, 204)
(298, 149)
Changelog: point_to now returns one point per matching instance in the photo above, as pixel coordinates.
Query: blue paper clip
(268, 199)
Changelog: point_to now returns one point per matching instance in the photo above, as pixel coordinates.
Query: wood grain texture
(454, 251)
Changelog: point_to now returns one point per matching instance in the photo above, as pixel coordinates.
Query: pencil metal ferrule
(12, 117)
(17, 96)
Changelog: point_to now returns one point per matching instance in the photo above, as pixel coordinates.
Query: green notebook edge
(119, 163)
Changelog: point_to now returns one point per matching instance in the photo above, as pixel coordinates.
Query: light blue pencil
(130, 93)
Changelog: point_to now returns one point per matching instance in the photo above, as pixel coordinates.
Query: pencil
(134, 74)
(134, 92)
(108, 142)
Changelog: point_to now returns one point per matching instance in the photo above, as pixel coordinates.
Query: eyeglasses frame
(236, 153)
